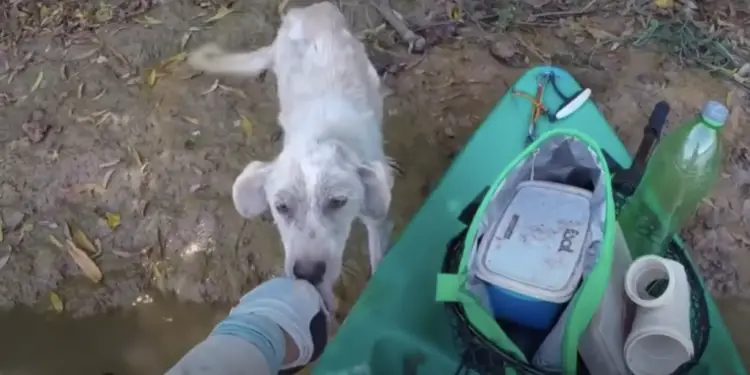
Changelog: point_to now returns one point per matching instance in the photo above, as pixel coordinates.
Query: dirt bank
(88, 132)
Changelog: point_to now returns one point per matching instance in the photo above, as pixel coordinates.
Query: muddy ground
(89, 132)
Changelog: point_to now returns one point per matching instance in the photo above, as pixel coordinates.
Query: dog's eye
(282, 208)
(336, 203)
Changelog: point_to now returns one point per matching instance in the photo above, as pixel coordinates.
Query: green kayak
(397, 327)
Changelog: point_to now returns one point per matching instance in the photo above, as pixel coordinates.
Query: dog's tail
(211, 58)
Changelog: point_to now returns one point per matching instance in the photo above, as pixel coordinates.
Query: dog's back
(317, 57)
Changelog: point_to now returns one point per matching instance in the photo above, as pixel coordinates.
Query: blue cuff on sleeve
(266, 335)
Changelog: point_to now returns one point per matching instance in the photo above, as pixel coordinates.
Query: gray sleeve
(222, 355)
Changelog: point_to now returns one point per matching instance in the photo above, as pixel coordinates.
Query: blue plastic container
(531, 261)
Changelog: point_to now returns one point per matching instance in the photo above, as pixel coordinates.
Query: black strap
(319, 332)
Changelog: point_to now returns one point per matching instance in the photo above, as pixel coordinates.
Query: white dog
(332, 168)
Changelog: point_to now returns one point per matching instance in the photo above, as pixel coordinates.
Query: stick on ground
(416, 43)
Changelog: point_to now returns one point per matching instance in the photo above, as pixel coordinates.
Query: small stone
(504, 49)
(12, 219)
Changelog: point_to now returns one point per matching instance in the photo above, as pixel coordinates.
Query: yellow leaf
(44, 11)
(38, 81)
(113, 220)
(89, 268)
(246, 125)
(664, 3)
(56, 302)
(220, 13)
(81, 240)
(148, 20)
(180, 57)
(456, 14)
(151, 77)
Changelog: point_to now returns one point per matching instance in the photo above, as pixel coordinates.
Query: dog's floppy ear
(377, 180)
(248, 190)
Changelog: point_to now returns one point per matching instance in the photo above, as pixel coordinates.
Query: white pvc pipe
(659, 341)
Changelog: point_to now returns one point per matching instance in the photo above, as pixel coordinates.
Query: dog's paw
(202, 57)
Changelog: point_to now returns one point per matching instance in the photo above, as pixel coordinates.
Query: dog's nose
(311, 272)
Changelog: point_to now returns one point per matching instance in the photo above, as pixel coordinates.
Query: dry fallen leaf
(233, 90)
(148, 20)
(38, 82)
(113, 220)
(89, 268)
(81, 240)
(220, 13)
(124, 254)
(246, 125)
(191, 120)
(5, 257)
(99, 95)
(81, 87)
(55, 302)
(2, 236)
(142, 206)
(109, 163)
(56, 242)
(64, 72)
(86, 54)
(136, 156)
(185, 39)
(107, 178)
(211, 89)
(600, 35)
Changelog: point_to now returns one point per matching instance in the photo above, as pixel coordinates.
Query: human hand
(296, 307)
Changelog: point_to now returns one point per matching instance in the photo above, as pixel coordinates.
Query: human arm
(279, 326)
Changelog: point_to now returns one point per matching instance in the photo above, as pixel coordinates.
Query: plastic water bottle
(679, 174)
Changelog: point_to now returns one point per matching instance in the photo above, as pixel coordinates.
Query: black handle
(651, 135)
(626, 180)
(657, 119)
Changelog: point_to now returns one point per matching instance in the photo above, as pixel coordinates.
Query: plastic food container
(531, 260)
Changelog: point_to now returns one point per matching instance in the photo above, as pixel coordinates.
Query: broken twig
(416, 43)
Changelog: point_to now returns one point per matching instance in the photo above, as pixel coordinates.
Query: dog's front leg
(378, 238)
(329, 298)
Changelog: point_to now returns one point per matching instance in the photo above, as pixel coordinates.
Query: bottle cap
(715, 113)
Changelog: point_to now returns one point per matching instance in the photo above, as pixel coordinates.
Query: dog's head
(314, 196)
